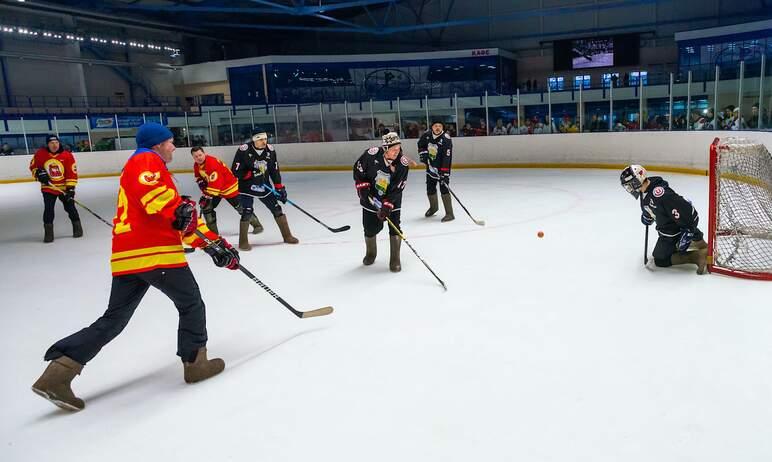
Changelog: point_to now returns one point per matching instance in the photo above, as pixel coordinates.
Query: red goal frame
(713, 195)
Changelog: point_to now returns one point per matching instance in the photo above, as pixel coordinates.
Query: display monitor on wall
(592, 52)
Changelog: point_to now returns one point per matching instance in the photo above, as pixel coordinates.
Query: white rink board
(673, 149)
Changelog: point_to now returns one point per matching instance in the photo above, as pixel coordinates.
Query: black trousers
(431, 185)
(373, 225)
(127, 291)
(49, 201)
(215, 201)
(666, 246)
(248, 202)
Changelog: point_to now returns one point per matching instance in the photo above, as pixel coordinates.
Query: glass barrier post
(275, 126)
(88, 131)
(345, 113)
(297, 120)
(455, 106)
(372, 117)
(209, 117)
(426, 109)
(640, 101)
(321, 121)
(518, 112)
(144, 119)
(230, 120)
(24, 133)
(740, 95)
(187, 127)
(117, 132)
(580, 112)
(399, 119)
(252, 116)
(715, 100)
(689, 101)
(56, 126)
(760, 119)
(487, 120)
(611, 106)
(549, 108)
(670, 105)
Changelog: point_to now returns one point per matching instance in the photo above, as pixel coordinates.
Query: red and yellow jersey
(61, 167)
(219, 178)
(143, 237)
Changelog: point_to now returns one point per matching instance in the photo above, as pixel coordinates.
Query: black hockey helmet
(259, 134)
(632, 179)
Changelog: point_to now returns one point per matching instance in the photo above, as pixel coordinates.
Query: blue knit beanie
(152, 133)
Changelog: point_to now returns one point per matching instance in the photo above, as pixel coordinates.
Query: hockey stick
(82, 206)
(477, 222)
(646, 247)
(334, 230)
(301, 314)
(402, 236)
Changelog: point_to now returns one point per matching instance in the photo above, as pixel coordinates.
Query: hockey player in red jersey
(151, 222)
(216, 182)
(57, 172)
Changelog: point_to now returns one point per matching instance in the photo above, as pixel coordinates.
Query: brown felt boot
(48, 230)
(77, 229)
(447, 201)
(257, 227)
(697, 257)
(433, 205)
(286, 234)
(202, 368)
(243, 240)
(54, 384)
(699, 245)
(372, 251)
(394, 264)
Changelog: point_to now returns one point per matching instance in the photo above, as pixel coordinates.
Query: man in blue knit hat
(151, 222)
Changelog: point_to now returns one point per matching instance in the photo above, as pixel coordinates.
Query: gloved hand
(423, 156)
(385, 210)
(42, 176)
(185, 216)
(646, 219)
(205, 201)
(69, 194)
(686, 240)
(223, 254)
(444, 175)
(281, 192)
(202, 184)
(363, 190)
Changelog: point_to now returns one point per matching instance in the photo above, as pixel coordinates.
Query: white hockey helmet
(632, 178)
(390, 139)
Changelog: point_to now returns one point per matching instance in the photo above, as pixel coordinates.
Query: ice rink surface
(557, 349)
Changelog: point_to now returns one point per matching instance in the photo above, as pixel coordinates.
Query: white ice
(564, 348)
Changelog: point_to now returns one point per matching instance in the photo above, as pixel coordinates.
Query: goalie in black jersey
(434, 150)
(676, 219)
(380, 175)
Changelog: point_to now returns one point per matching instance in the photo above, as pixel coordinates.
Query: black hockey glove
(363, 191)
(423, 156)
(281, 192)
(69, 194)
(185, 216)
(42, 176)
(444, 175)
(647, 219)
(202, 184)
(686, 240)
(385, 210)
(205, 202)
(223, 254)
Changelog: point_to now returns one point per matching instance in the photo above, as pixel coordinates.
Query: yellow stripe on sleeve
(160, 202)
(152, 194)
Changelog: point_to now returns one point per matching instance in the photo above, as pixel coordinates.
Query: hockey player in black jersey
(380, 175)
(434, 150)
(676, 219)
(256, 167)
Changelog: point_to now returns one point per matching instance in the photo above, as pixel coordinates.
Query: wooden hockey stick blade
(317, 312)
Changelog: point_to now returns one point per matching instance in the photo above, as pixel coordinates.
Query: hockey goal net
(740, 227)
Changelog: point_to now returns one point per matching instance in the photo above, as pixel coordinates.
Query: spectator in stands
(499, 129)
(382, 130)
(467, 130)
(736, 122)
(7, 150)
(483, 130)
(753, 122)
